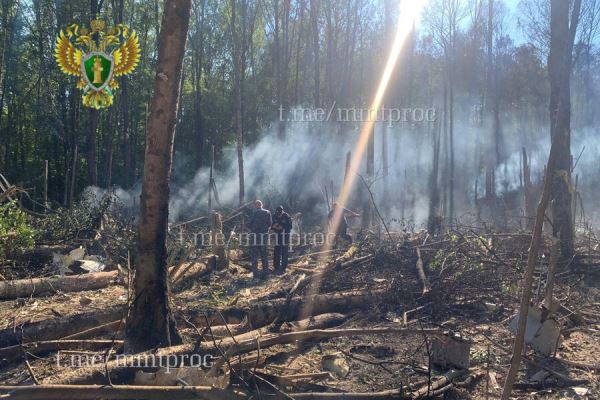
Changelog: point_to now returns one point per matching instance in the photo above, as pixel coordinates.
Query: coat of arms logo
(97, 56)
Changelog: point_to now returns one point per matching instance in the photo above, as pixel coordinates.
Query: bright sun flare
(409, 13)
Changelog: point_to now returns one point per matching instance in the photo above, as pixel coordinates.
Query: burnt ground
(474, 285)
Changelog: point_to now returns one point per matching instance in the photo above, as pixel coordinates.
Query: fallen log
(580, 365)
(439, 384)
(84, 392)
(123, 369)
(549, 383)
(85, 325)
(103, 329)
(199, 270)
(294, 309)
(322, 321)
(303, 382)
(381, 395)
(436, 388)
(312, 285)
(48, 286)
(240, 347)
(12, 353)
(318, 322)
(313, 375)
(56, 328)
(41, 254)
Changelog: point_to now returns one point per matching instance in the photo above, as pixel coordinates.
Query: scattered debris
(336, 363)
(358, 322)
(541, 334)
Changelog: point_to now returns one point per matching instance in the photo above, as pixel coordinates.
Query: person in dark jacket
(282, 226)
(260, 222)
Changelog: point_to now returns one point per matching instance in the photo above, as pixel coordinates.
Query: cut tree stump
(48, 286)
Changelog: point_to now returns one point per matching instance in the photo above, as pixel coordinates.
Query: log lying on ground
(41, 254)
(264, 313)
(258, 315)
(437, 387)
(111, 327)
(382, 395)
(48, 286)
(56, 328)
(84, 392)
(318, 322)
(322, 321)
(191, 271)
(312, 283)
(240, 347)
(580, 365)
(12, 353)
(123, 369)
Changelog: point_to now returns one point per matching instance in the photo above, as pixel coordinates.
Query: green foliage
(305, 53)
(16, 233)
(79, 221)
(436, 263)
(484, 356)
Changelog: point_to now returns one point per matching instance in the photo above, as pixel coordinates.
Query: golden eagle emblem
(96, 56)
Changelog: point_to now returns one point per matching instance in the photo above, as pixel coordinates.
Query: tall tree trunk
(387, 28)
(433, 221)
(197, 75)
(451, 139)
(238, 40)
(301, 9)
(118, 10)
(278, 65)
(491, 162)
(559, 66)
(95, 7)
(6, 56)
(314, 23)
(91, 147)
(367, 207)
(329, 67)
(151, 323)
(559, 73)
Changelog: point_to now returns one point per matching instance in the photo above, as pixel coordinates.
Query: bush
(78, 222)
(16, 234)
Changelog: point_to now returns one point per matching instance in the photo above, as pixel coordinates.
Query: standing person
(282, 226)
(260, 222)
(342, 229)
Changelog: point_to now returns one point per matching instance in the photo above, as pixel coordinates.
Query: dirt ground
(474, 280)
